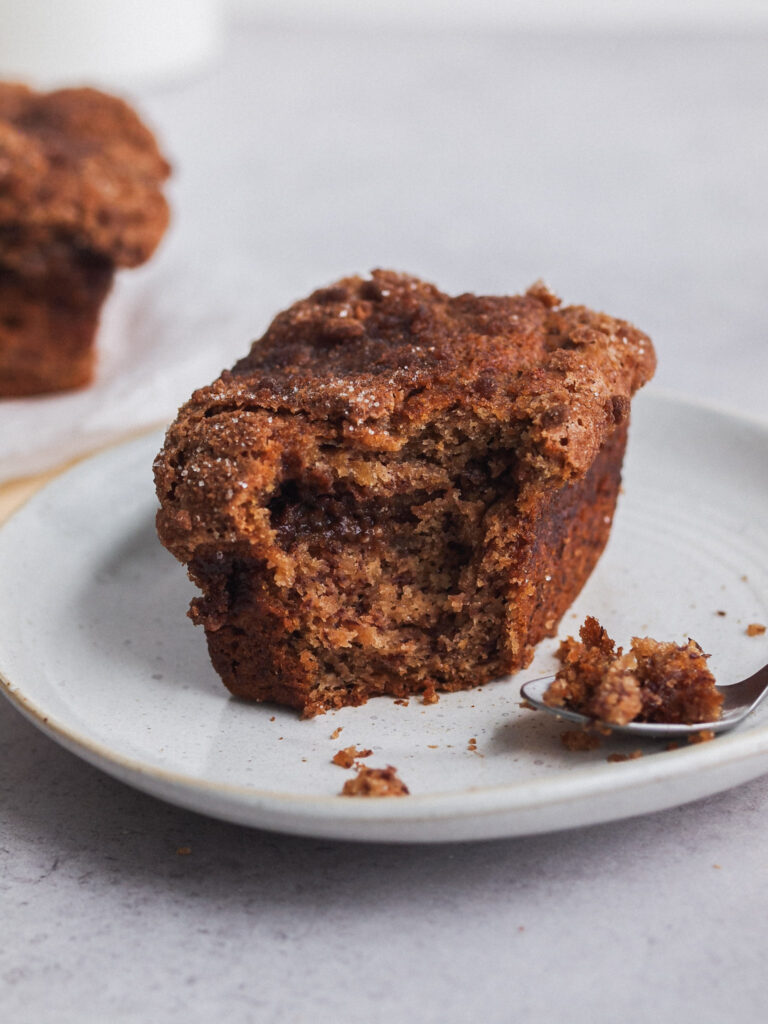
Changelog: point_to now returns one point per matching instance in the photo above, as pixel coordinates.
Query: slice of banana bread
(397, 491)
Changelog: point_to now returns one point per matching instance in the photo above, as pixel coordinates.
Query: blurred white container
(514, 15)
(111, 42)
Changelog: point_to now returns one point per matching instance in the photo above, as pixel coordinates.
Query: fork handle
(748, 691)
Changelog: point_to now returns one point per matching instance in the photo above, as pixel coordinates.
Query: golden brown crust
(77, 169)
(347, 367)
(397, 491)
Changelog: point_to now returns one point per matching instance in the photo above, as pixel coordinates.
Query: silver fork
(738, 700)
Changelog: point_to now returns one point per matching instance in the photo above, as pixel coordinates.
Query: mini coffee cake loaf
(397, 491)
(80, 180)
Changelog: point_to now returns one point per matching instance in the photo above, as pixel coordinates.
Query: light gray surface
(631, 174)
(658, 918)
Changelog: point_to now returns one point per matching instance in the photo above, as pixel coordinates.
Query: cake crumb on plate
(346, 757)
(579, 740)
(375, 782)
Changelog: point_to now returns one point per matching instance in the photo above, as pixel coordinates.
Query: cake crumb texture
(398, 491)
(653, 682)
(579, 740)
(704, 736)
(347, 756)
(375, 782)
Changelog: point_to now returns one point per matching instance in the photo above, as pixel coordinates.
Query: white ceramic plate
(96, 650)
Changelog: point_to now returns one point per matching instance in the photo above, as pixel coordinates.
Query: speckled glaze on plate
(96, 650)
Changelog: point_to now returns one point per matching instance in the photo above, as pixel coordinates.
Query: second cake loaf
(80, 197)
(398, 491)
